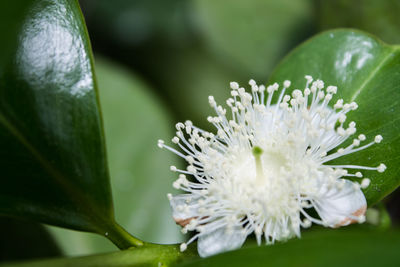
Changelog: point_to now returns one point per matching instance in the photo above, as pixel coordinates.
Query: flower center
(259, 182)
(257, 152)
(270, 166)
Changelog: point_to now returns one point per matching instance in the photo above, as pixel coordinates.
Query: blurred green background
(156, 63)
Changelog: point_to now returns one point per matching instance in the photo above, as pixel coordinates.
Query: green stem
(121, 238)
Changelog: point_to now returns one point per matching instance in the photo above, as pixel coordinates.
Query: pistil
(257, 152)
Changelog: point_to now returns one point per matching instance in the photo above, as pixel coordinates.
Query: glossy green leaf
(53, 162)
(134, 119)
(253, 35)
(377, 17)
(319, 248)
(366, 71)
(147, 255)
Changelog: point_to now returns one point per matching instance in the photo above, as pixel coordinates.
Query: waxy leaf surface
(52, 156)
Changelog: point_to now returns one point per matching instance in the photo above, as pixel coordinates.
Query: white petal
(183, 208)
(219, 241)
(338, 206)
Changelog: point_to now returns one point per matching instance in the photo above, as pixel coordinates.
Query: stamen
(183, 247)
(295, 137)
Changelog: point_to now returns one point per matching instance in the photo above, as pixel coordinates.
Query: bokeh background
(157, 61)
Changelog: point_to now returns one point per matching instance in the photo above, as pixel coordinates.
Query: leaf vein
(378, 67)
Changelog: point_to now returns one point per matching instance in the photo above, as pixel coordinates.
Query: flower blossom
(266, 169)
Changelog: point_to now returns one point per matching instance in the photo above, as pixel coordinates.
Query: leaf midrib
(76, 195)
(373, 73)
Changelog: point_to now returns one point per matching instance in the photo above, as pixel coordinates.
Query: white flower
(267, 167)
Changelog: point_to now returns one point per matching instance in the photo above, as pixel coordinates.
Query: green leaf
(366, 71)
(341, 247)
(53, 162)
(377, 17)
(134, 119)
(253, 35)
(319, 248)
(147, 255)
